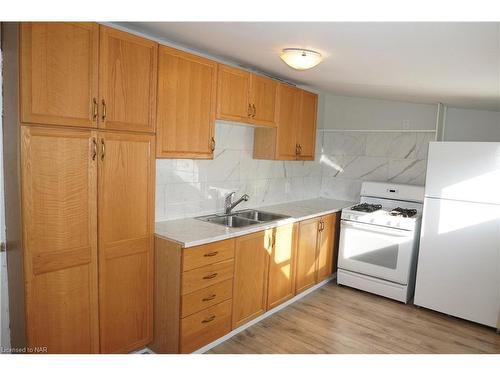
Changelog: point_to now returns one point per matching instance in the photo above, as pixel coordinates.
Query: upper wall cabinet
(295, 136)
(64, 63)
(187, 88)
(59, 64)
(127, 81)
(263, 96)
(246, 97)
(306, 134)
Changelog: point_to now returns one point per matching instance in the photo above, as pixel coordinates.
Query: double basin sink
(242, 218)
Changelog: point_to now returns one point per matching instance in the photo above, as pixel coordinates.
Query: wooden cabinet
(64, 63)
(59, 170)
(204, 292)
(295, 136)
(281, 280)
(306, 133)
(187, 88)
(306, 254)
(288, 122)
(263, 99)
(59, 73)
(127, 81)
(205, 326)
(126, 211)
(250, 276)
(246, 97)
(316, 252)
(233, 90)
(327, 245)
(193, 294)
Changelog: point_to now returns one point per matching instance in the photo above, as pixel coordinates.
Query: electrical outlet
(406, 124)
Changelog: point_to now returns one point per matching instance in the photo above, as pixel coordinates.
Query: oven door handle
(378, 228)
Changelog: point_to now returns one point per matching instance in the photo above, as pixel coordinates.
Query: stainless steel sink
(242, 218)
(231, 221)
(260, 215)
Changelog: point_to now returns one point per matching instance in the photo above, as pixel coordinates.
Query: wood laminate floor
(338, 319)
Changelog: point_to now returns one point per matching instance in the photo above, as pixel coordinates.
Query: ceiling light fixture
(300, 59)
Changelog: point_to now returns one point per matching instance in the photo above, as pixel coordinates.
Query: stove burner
(366, 207)
(404, 212)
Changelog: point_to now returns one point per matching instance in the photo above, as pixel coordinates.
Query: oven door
(377, 251)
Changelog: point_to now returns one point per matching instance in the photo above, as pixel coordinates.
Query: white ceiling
(454, 63)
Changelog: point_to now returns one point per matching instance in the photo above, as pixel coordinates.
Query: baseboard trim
(234, 332)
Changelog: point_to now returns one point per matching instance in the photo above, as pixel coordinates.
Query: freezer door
(465, 171)
(458, 270)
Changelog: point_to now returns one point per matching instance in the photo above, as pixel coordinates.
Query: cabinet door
(282, 266)
(59, 64)
(187, 88)
(264, 98)
(307, 254)
(127, 81)
(289, 110)
(126, 216)
(250, 276)
(233, 89)
(327, 246)
(306, 135)
(59, 193)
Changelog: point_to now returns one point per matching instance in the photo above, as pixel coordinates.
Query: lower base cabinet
(204, 292)
(250, 276)
(317, 250)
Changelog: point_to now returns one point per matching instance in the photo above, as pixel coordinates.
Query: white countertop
(192, 232)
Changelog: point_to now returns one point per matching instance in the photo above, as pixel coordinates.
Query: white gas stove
(379, 240)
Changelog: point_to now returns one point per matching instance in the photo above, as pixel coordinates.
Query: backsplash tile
(197, 187)
(349, 158)
(186, 188)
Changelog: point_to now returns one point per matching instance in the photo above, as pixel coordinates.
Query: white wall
(471, 125)
(4, 300)
(353, 113)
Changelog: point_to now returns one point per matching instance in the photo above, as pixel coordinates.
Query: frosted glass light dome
(300, 59)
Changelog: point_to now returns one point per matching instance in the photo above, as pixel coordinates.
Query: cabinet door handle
(94, 109)
(103, 149)
(212, 254)
(208, 320)
(296, 149)
(104, 111)
(212, 144)
(208, 277)
(254, 110)
(300, 148)
(249, 110)
(206, 299)
(94, 148)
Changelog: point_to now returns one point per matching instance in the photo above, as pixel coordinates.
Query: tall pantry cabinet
(79, 154)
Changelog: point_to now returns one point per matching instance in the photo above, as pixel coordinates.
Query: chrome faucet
(229, 204)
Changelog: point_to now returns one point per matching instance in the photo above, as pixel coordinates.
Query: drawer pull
(206, 299)
(208, 320)
(212, 254)
(210, 276)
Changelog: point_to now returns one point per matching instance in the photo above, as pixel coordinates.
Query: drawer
(203, 277)
(205, 326)
(203, 298)
(203, 255)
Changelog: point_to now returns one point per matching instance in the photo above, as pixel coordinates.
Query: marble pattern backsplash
(349, 158)
(186, 188)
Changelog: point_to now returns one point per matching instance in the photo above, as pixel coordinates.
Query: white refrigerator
(458, 271)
